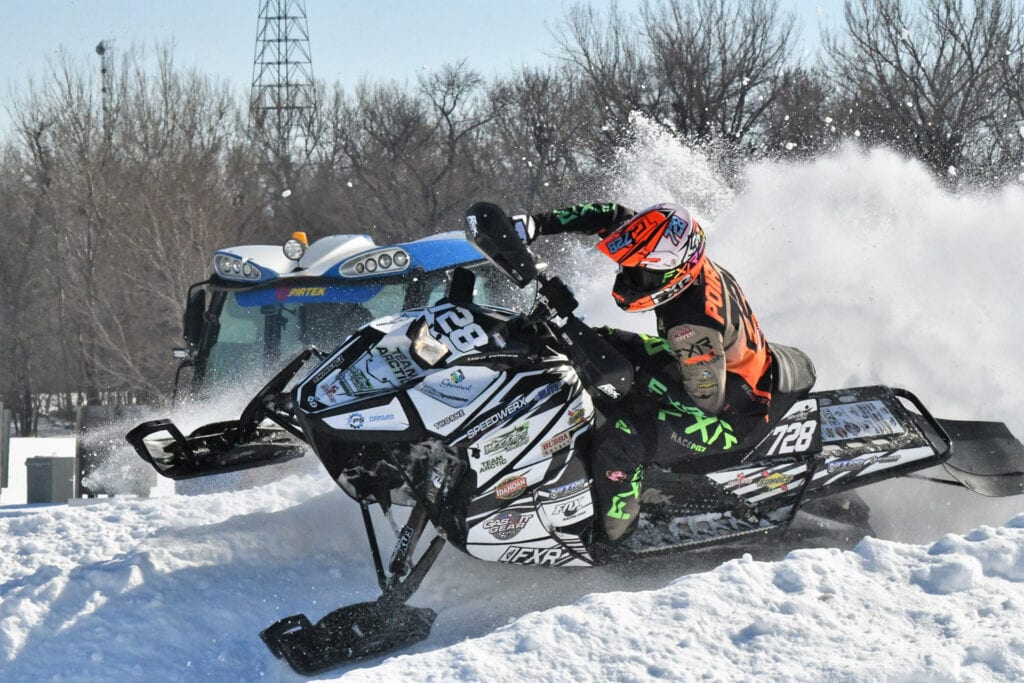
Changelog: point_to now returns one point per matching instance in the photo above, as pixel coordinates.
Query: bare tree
(804, 118)
(720, 61)
(410, 156)
(927, 82)
(28, 335)
(541, 139)
(138, 195)
(710, 68)
(616, 66)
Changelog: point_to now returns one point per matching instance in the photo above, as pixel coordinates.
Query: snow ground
(858, 258)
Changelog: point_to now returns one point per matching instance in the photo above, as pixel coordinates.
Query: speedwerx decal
(508, 411)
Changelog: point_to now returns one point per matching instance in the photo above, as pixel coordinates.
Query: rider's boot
(618, 499)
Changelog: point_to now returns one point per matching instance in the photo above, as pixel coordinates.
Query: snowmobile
(480, 419)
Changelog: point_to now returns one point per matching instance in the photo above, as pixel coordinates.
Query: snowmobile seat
(794, 371)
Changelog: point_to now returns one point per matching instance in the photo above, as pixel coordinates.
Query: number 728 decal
(796, 437)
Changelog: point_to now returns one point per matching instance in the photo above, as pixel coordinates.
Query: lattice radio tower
(103, 49)
(282, 74)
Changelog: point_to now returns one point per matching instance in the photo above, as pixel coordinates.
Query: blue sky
(387, 39)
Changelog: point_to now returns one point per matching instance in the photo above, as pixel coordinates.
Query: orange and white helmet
(660, 252)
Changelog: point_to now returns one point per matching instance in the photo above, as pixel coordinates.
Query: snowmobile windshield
(252, 333)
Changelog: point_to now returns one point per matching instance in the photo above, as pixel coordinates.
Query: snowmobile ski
(216, 448)
(348, 634)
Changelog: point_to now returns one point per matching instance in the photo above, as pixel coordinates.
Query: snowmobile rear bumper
(987, 458)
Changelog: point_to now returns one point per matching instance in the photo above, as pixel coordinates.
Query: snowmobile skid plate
(214, 448)
(347, 634)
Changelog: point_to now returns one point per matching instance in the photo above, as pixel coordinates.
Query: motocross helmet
(660, 252)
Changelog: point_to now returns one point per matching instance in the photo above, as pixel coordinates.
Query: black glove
(559, 297)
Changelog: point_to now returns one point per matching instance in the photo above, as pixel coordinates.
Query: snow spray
(858, 257)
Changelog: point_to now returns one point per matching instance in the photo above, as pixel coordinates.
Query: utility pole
(282, 75)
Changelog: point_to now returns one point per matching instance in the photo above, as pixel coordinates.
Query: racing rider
(719, 354)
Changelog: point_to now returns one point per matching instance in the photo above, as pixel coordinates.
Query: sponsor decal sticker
(498, 461)
(766, 479)
(510, 488)
(355, 420)
(548, 390)
(686, 443)
(860, 463)
(508, 411)
(570, 508)
(678, 334)
(400, 364)
(514, 438)
(548, 556)
(283, 293)
(567, 489)
(507, 524)
(448, 420)
(556, 443)
(457, 382)
(356, 382)
(776, 480)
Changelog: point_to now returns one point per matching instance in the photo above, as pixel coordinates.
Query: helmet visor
(642, 280)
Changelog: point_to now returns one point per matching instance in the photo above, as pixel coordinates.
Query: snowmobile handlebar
(492, 231)
(601, 366)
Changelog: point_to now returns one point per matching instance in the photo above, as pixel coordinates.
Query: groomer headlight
(295, 247)
(234, 268)
(388, 261)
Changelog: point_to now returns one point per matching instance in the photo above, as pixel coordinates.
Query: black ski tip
(346, 635)
(278, 632)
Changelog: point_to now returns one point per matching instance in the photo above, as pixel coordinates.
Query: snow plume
(858, 257)
(655, 167)
(864, 261)
(121, 471)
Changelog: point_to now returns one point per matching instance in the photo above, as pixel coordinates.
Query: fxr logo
(520, 555)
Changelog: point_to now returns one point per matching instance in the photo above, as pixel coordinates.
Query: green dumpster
(50, 480)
